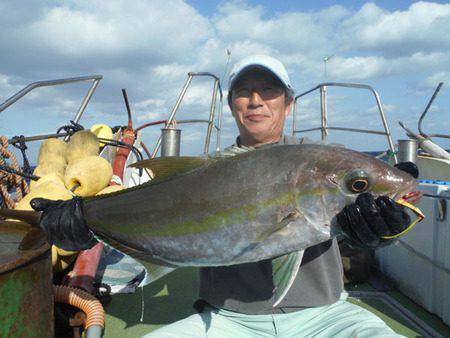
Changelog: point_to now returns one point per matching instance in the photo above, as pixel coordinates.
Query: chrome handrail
(324, 128)
(438, 88)
(47, 83)
(211, 124)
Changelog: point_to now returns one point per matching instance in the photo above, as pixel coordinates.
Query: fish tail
(28, 216)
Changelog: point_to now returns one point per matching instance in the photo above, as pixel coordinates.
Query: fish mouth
(412, 197)
(408, 194)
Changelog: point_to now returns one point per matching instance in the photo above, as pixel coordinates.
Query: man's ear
(230, 103)
(288, 108)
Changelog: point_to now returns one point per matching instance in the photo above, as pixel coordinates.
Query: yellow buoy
(50, 190)
(52, 166)
(102, 131)
(87, 176)
(51, 149)
(53, 177)
(62, 259)
(82, 144)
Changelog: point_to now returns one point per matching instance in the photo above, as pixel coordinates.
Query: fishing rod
(127, 105)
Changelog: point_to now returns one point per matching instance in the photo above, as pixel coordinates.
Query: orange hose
(95, 315)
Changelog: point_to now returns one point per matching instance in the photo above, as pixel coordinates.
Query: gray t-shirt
(248, 288)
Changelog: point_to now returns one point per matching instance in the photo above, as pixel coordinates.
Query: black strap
(19, 143)
(71, 128)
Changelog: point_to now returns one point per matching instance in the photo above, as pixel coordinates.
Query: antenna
(225, 71)
(325, 60)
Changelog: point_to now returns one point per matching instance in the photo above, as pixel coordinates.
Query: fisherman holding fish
(299, 294)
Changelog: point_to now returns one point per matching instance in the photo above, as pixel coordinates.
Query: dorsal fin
(234, 150)
(165, 167)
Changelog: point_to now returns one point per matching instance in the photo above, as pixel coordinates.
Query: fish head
(357, 173)
(333, 177)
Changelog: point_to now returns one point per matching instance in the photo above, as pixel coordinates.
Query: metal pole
(428, 107)
(172, 113)
(212, 112)
(84, 104)
(386, 127)
(45, 83)
(356, 85)
(294, 115)
(323, 111)
(85, 101)
(219, 129)
(38, 137)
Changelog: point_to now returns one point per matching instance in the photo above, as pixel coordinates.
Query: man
(237, 301)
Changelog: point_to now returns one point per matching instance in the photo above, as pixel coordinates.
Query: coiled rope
(8, 180)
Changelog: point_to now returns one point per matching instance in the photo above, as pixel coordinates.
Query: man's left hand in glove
(368, 220)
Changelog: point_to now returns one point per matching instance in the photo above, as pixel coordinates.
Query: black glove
(408, 167)
(366, 221)
(64, 224)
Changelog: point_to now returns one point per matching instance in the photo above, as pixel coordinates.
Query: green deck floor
(165, 301)
(171, 299)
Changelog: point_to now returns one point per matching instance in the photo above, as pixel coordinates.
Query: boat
(409, 287)
(410, 282)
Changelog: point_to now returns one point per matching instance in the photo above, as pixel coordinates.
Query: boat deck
(171, 299)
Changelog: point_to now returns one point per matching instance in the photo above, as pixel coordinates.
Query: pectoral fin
(154, 272)
(292, 216)
(284, 271)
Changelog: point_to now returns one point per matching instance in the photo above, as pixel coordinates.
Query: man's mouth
(256, 117)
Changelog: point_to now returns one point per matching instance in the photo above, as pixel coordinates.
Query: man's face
(259, 106)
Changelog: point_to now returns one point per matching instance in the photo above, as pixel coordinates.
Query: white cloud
(6, 88)
(195, 136)
(387, 108)
(149, 47)
(149, 117)
(116, 27)
(370, 67)
(149, 110)
(150, 103)
(420, 26)
(433, 80)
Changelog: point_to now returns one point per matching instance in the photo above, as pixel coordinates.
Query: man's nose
(255, 98)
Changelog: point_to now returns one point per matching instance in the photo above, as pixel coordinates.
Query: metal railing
(47, 83)
(324, 128)
(210, 121)
(426, 111)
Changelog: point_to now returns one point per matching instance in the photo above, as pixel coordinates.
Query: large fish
(237, 209)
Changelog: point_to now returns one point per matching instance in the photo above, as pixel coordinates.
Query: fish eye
(357, 181)
(359, 185)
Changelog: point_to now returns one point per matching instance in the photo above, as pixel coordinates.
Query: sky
(400, 48)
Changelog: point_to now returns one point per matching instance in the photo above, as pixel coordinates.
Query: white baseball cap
(260, 61)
